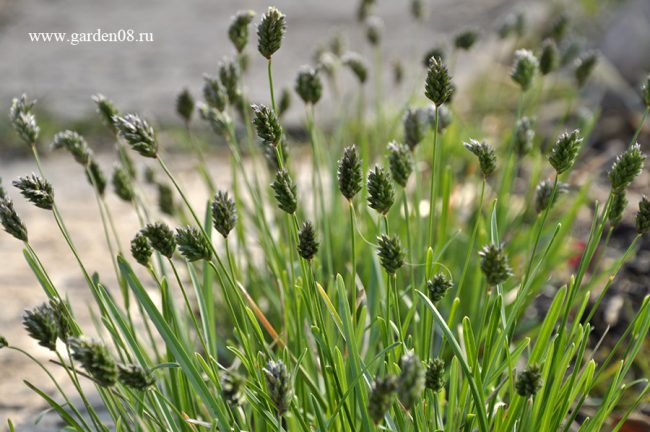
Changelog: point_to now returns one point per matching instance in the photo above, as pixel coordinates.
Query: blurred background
(189, 40)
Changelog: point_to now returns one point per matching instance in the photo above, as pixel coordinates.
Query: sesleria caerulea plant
(350, 302)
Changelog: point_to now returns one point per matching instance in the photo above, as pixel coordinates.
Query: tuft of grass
(306, 312)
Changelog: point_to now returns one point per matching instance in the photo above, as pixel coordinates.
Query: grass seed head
(106, 110)
(307, 241)
(41, 325)
(10, 220)
(284, 189)
(166, 202)
(549, 57)
(214, 93)
(381, 194)
(161, 238)
(465, 40)
(238, 30)
(308, 85)
(417, 10)
(349, 172)
(415, 124)
(95, 359)
(267, 125)
(544, 191)
(411, 380)
(96, 176)
(529, 382)
(400, 161)
(390, 252)
(494, 264)
(122, 184)
(617, 207)
(357, 64)
(523, 136)
(398, 72)
(438, 287)
(374, 30)
(438, 87)
(643, 217)
(218, 120)
(364, 9)
(564, 152)
(230, 75)
(137, 133)
(337, 44)
(444, 115)
(63, 317)
(23, 119)
(224, 213)
(36, 190)
(3, 342)
(185, 105)
(75, 144)
(135, 377)
(626, 168)
(524, 68)
(435, 375)
(584, 66)
(559, 28)
(141, 249)
(233, 388)
(514, 23)
(284, 102)
(278, 385)
(436, 52)
(486, 156)
(192, 244)
(381, 397)
(270, 32)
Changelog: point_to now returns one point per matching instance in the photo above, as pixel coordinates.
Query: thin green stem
(269, 70)
(432, 196)
(640, 127)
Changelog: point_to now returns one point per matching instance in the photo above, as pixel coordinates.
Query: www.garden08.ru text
(122, 35)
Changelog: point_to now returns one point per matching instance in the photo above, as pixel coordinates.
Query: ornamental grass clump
(415, 318)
